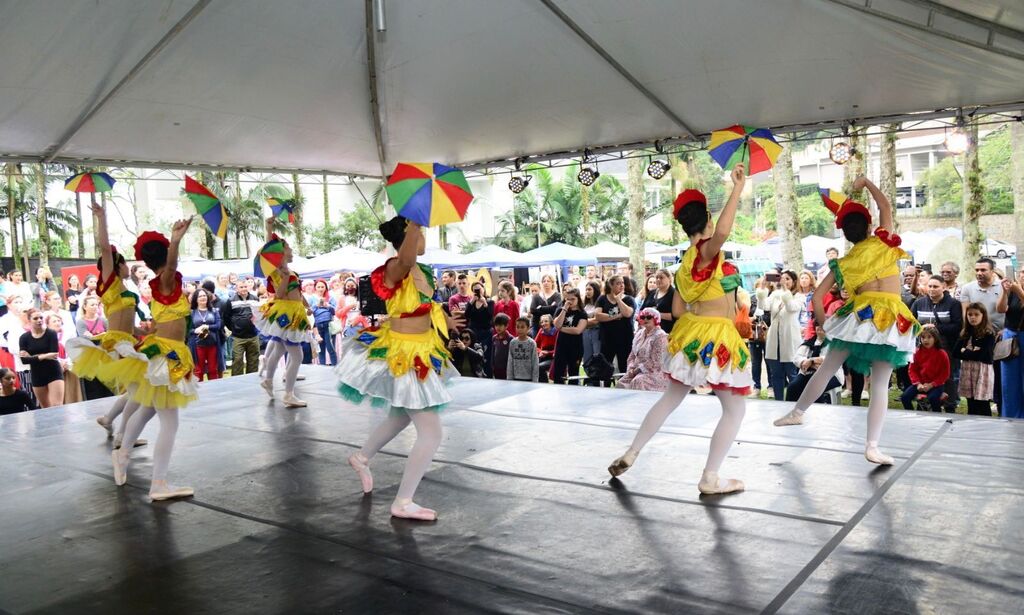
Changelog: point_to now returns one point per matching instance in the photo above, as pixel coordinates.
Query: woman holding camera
(206, 334)
(479, 316)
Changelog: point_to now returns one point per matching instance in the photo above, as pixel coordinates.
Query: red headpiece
(147, 237)
(841, 205)
(686, 197)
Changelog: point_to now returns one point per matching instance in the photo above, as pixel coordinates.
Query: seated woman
(467, 355)
(808, 359)
(650, 343)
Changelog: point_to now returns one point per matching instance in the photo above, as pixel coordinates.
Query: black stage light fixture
(658, 168)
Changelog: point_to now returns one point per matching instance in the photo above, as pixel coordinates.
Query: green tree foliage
(58, 248)
(356, 228)
(945, 184)
(815, 218)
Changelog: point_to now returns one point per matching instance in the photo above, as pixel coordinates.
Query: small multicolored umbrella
(90, 182)
(214, 214)
(429, 194)
(269, 258)
(282, 209)
(756, 147)
(833, 199)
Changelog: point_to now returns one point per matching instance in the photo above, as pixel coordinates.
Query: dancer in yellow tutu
(704, 348)
(873, 332)
(88, 355)
(159, 376)
(284, 320)
(403, 364)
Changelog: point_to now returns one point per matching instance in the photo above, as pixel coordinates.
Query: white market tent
(253, 85)
(557, 253)
(350, 258)
(608, 251)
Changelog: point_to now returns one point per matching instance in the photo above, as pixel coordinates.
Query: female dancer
(285, 320)
(89, 354)
(40, 350)
(404, 363)
(704, 347)
(159, 375)
(873, 331)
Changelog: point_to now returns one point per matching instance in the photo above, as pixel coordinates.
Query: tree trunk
(856, 166)
(223, 192)
(974, 198)
(80, 229)
(788, 222)
(1017, 182)
(25, 249)
(300, 232)
(327, 209)
(585, 214)
(11, 214)
(887, 167)
(635, 189)
(44, 235)
(678, 175)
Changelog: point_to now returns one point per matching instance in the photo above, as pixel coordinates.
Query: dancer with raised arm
(284, 319)
(89, 354)
(403, 364)
(159, 376)
(704, 348)
(873, 332)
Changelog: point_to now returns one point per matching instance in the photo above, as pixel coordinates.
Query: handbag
(1008, 348)
(335, 327)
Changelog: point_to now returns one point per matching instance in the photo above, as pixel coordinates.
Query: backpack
(598, 368)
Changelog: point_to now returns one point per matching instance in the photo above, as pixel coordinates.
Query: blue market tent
(557, 254)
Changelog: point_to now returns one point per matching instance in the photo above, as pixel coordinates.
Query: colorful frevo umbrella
(89, 182)
(214, 214)
(269, 258)
(282, 209)
(756, 147)
(429, 194)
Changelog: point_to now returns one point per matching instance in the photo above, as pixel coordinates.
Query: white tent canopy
(286, 85)
(348, 258)
(492, 256)
(557, 254)
(608, 251)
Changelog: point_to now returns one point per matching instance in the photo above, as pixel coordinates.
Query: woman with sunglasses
(467, 355)
(40, 350)
(704, 349)
(650, 344)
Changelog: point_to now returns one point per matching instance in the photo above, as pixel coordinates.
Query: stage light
(518, 183)
(588, 175)
(658, 168)
(840, 153)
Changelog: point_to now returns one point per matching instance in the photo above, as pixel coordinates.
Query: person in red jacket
(507, 303)
(929, 370)
(546, 337)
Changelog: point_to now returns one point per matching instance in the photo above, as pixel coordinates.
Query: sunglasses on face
(645, 318)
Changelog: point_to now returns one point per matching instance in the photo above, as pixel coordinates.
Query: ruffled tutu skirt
(283, 320)
(88, 355)
(708, 351)
(408, 371)
(873, 326)
(157, 374)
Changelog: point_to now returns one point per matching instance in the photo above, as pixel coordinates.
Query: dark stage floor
(529, 522)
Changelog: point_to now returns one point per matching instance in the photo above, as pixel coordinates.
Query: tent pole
(371, 68)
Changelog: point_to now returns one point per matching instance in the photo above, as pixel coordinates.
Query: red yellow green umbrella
(214, 214)
(282, 209)
(269, 258)
(756, 147)
(90, 182)
(429, 194)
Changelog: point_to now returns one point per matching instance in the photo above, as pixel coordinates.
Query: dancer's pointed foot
(120, 437)
(710, 484)
(795, 417)
(361, 465)
(268, 386)
(290, 401)
(120, 468)
(160, 490)
(872, 454)
(405, 508)
(106, 424)
(620, 465)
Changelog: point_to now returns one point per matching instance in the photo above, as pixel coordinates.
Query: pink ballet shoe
(105, 424)
(268, 386)
(361, 465)
(120, 468)
(620, 465)
(872, 454)
(795, 417)
(407, 509)
(710, 484)
(290, 401)
(160, 490)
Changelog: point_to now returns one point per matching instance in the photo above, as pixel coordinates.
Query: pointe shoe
(105, 424)
(162, 491)
(268, 386)
(361, 465)
(120, 437)
(620, 465)
(795, 417)
(120, 468)
(410, 510)
(290, 401)
(872, 454)
(710, 484)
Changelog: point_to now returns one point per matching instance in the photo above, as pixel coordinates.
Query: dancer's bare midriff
(722, 307)
(122, 321)
(889, 284)
(415, 324)
(174, 330)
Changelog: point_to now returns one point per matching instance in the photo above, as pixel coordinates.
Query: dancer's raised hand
(739, 175)
(180, 228)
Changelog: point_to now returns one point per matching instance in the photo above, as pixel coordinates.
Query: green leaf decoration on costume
(846, 309)
(151, 351)
(691, 350)
(744, 356)
(379, 353)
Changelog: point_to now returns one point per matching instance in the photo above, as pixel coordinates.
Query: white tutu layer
(849, 328)
(277, 332)
(679, 368)
(158, 373)
(75, 346)
(373, 378)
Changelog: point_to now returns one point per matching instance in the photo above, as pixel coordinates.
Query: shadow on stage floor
(529, 521)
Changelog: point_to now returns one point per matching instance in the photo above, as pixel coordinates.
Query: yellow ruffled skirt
(283, 320)
(708, 351)
(88, 355)
(158, 374)
(402, 370)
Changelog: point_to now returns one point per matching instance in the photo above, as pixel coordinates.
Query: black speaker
(370, 304)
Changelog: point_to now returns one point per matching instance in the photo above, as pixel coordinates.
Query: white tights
(276, 350)
(428, 438)
(164, 441)
(878, 403)
(122, 404)
(733, 409)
